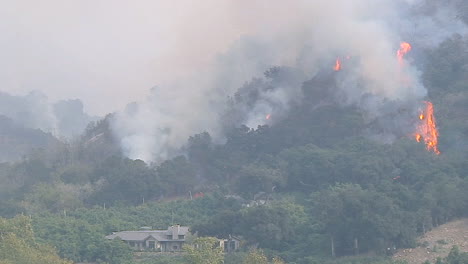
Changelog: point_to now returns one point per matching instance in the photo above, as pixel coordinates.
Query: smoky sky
(180, 59)
(107, 52)
(110, 52)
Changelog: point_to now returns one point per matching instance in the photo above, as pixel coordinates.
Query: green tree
(80, 241)
(273, 225)
(361, 219)
(18, 244)
(222, 224)
(277, 260)
(53, 197)
(256, 257)
(309, 167)
(126, 180)
(115, 252)
(456, 257)
(255, 178)
(204, 250)
(177, 175)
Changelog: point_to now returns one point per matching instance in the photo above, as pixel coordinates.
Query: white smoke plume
(306, 35)
(64, 119)
(198, 53)
(32, 110)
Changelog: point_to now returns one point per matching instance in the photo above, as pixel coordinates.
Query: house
(170, 240)
(229, 245)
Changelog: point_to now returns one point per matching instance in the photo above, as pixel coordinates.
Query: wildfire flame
(418, 138)
(405, 47)
(267, 117)
(337, 64)
(427, 129)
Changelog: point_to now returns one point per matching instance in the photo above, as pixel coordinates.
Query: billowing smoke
(32, 110)
(305, 36)
(156, 128)
(71, 118)
(64, 119)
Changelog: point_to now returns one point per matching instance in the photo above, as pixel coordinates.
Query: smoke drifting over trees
(307, 39)
(198, 54)
(267, 121)
(64, 118)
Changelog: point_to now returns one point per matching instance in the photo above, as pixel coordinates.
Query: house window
(233, 244)
(132, 244)
(169, 236)
(151, 244)
(175, 247)
(181, 236)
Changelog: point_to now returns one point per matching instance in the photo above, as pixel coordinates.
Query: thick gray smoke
(305, 35)
(64, 119)
(32, 110)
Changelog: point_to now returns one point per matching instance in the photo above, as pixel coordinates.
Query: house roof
(137, 235)
(160, 235)
(183, 230)
(231, 238)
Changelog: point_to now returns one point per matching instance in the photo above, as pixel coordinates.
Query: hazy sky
(111, 52)
(108, 52)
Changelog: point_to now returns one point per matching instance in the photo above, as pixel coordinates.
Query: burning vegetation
(426, 130)
(337, 64)
(405, 47)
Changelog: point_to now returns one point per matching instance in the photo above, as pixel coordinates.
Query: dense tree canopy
(18, 244)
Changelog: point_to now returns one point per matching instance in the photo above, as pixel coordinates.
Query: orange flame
(427, 129)
(418, 137)
(337, 64)
(405, 47)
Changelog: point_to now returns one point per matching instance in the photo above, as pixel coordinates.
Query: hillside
(338, 181)
(437, 243)
(354, 147)
(17, 141)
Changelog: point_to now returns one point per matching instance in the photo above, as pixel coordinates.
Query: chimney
(175, 231)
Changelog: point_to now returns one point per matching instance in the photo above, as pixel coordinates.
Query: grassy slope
(437, 243)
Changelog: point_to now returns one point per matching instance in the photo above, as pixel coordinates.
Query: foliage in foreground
(204, 250)
(18, 244)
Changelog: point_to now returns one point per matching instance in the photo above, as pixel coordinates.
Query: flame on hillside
(427, 128)
(405, 47)
(337, 64)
